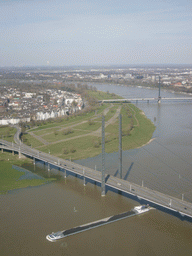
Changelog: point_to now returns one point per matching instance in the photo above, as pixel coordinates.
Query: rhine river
(28, 215)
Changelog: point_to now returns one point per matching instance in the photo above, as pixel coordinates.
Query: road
(155, 197)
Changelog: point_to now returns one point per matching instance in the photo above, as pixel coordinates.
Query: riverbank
(11, 179)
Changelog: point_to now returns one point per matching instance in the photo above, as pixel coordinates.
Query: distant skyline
(107, 32)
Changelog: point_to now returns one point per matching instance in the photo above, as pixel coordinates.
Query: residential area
(41, 93)
(23, 106)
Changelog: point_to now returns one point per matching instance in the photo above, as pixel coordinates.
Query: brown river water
(28, 215)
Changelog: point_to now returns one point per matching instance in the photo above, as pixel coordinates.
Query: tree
(74, 103)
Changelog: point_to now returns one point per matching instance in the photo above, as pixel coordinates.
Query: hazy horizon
(88, 33)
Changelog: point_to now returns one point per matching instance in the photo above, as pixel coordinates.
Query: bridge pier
(65, 174)
(12, 148)
(19, 152)
(84, 183)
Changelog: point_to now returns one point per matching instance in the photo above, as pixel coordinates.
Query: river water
(28, 215)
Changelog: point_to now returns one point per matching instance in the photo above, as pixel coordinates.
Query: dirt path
(94, 133)
(38, 137)
(64, 127)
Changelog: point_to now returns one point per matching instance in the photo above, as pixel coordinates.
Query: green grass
(136, 128)
(90, 146)
(60, 136)
(87, 127)
(31, 141)
(99, 95)
(84, 148)
(102, 108)
(111, 112)
(9, 178)
(66, 121)
(7, 133)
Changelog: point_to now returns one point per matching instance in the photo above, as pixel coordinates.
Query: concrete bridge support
(65, 174)
(84, 183)
(19, 152)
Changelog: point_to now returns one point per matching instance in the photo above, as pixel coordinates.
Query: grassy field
(99, 95)
(7, 133)
(66, 121)
(79, 136)
(31, 141)
(71, 128)
(137, 130)
(9, 178)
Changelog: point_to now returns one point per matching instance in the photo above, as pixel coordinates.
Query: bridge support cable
(120, 146)
(165, 183)
(178, 156)
(103, 158)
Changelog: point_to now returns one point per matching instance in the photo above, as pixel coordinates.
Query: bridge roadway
(176, 205)
(146, 99)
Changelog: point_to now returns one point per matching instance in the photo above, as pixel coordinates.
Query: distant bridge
(159, 99)
(178, 207)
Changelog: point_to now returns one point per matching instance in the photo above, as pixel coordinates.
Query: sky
(90, 32)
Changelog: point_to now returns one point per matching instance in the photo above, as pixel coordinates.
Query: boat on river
(141, 209)
(61, 234)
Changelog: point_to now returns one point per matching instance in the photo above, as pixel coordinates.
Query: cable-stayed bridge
(178, 207)
(159, 99)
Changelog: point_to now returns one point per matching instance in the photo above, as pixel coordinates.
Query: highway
(139, 192)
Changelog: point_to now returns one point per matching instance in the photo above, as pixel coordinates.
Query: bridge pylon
(103, 158)
(159, 96)
(120, 146)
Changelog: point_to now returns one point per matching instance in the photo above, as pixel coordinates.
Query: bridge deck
(149, 195)
(146, 99)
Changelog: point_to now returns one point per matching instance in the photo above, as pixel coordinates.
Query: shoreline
(151, 140)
